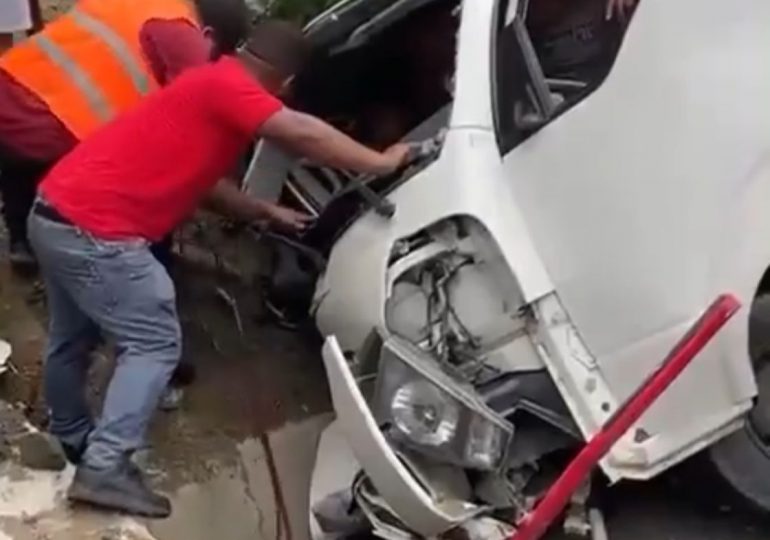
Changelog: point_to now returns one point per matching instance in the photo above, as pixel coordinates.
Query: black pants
(19, 178)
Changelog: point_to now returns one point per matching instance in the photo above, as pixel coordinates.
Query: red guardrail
(534, 524)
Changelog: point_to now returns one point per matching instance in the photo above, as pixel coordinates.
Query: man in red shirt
(33, 137)
(127, 186)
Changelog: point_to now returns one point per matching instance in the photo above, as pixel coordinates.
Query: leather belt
(50, 213)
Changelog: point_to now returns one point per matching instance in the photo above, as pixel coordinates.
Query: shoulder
(238, 98)
(231, 69)
(231, 75)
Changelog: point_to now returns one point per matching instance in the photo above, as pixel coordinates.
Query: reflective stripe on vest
(95, 97)
(117, 46)
(79, 77)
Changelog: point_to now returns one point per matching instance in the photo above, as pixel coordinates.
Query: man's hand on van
(620, 9)
(287, 220)
(228, 199)
(395, 157)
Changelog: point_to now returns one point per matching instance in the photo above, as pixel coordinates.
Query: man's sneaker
(21, 255)
(122, 489)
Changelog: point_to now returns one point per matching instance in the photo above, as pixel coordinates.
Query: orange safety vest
(88, 65)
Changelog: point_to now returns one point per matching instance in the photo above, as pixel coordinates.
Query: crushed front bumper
(355, 443)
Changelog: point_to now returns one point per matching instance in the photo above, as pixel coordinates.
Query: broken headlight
(428, 411)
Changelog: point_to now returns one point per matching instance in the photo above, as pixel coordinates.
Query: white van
(487, 309)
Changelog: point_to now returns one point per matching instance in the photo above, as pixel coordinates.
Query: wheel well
(764, 284)
(759, 320)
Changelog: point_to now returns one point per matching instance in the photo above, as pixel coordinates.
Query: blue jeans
(120, 289)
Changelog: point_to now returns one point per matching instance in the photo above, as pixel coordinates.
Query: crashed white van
(488, 308)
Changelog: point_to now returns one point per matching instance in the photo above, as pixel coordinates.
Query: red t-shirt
(145, 172)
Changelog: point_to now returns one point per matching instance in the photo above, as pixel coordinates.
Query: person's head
(226, 23)
(275, 53)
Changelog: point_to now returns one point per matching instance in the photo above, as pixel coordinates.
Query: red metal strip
(534, 524)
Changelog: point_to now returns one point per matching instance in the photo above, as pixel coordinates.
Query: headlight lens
(433, 414)
(424, 414)
(485, 443)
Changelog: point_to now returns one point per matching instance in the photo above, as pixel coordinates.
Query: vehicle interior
(381, 83)
(382, 75)
(549, 56)
(383, 72)
(380, 78)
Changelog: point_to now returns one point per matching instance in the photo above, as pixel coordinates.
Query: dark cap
(280, 44)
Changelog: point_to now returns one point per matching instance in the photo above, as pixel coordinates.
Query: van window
(548, 55)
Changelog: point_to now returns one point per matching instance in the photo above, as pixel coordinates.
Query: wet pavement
(260, 495)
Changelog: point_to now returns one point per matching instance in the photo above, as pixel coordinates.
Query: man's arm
(227, 199)
(311, 137)
(240, 101)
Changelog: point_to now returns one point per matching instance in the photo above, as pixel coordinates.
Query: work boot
(21, 255)
(122, 489)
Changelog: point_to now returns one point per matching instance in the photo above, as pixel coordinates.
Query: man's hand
(287, 220)
(619, 8)
(228, 199)
(395, 157)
